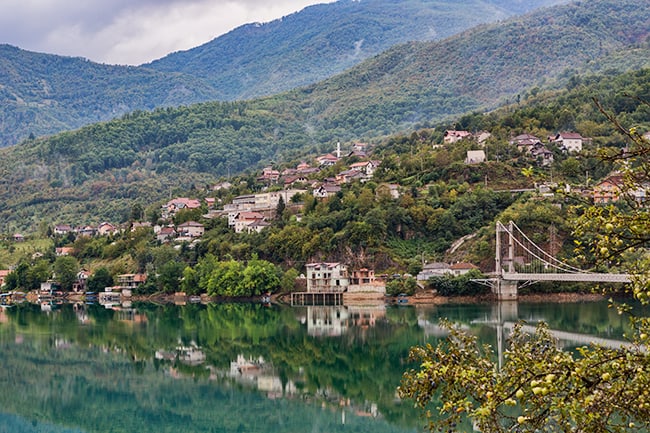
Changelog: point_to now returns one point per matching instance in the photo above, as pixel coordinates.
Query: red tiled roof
(570, 135)
(190, 224)
(249, 216)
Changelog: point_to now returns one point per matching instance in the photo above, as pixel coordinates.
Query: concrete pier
(505, 290)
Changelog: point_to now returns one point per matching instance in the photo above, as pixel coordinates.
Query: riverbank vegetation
(539, 386)
(440, 199)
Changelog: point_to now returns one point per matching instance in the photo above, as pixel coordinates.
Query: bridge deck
(579, 277)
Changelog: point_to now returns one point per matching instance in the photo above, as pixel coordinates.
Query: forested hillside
(42, 94)
(423, 197)
(483, 67)
(323, 40)
(98, 172)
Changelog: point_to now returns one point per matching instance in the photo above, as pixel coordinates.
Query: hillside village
(423, 240)
(284, 190)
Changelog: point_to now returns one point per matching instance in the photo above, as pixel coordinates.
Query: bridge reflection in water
(503, 317)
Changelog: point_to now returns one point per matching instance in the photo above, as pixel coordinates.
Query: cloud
(129, 31)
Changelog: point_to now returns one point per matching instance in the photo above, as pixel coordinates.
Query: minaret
(338, 149)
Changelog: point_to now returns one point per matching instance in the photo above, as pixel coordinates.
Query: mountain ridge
(107, 166)
(323, 42)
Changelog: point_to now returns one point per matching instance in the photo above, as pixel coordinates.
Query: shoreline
(419, 298)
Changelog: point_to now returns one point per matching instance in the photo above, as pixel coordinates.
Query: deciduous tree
(540, 387)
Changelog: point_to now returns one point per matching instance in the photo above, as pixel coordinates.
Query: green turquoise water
(236, 367)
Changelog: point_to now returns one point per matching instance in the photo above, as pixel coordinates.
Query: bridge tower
(504, 289)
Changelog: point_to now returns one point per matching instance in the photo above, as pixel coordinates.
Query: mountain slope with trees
(102, 169)
(323, 40)
(42, 94)
(440, 199)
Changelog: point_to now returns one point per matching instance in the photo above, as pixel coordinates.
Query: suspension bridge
(520, 262)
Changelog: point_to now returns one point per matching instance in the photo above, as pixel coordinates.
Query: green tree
(225, 279)
(66, 269)
(288, 280)
(99, 280)
(36, 274)
(169, 276)
(407, 286)
(190, 281)
(461, 285)
(279, 210)
(259, 277)
(185, 215)
(540, 387)
(12, 281)
(137, 212)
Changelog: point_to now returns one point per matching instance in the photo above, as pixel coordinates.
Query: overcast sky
(129, 31)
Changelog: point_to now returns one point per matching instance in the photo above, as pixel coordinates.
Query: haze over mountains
(101, 169)
(42, 94)
(323, 40)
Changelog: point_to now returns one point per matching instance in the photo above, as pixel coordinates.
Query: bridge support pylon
(505, 290)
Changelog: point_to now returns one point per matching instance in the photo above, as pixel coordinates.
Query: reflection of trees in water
(362, 366)
(90, 359)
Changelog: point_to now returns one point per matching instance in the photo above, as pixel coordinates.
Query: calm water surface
(237, 367)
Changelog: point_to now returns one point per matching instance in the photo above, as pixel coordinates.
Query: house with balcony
(608, 190)
(368, 168)
(327, 277)
(130, 282)
(570, 142)
(452, 136)
(192, 229)
(363, 280)
(244, 219)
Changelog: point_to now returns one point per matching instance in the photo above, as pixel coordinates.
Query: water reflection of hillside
(227, 364)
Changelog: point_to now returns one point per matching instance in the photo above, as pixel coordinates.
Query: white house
(166, 234)
(452, 136)
(327, 321)
(327, 277)
(257, 226)
(475, 157)
(569, 141)
(62, 229)
(191, 228)
(245, 219)
(461, 268)
(326, 190)
(436, 269)
(327, 160)
(366, 167)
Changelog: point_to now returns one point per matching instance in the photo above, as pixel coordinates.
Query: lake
(239, 367)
